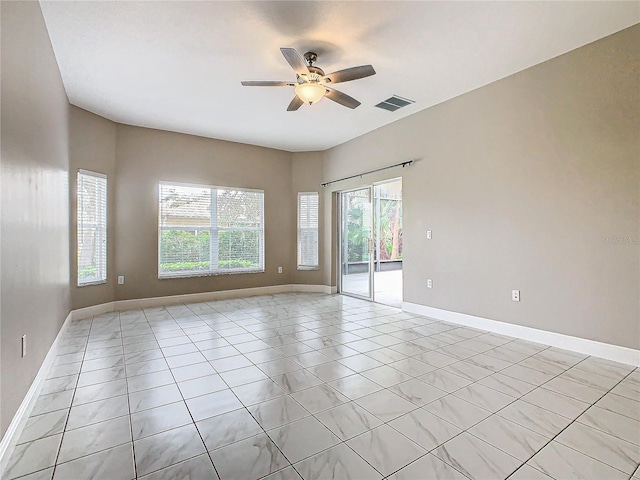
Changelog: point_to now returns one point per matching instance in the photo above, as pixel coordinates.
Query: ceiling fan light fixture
(310, 92)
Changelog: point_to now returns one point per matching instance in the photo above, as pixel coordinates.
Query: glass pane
(356, 242)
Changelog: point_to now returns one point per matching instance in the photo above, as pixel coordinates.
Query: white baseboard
(608, 351)
(12, 435)
(312, 288)
(197, 297)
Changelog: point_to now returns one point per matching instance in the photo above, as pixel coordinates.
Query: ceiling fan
(312, 84)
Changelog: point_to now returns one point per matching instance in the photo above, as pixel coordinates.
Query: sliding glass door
(357, 243)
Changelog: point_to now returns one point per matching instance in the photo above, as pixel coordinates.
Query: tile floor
(322, 387)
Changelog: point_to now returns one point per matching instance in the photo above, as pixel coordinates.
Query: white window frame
(301, 266)
(100, 227)
(214, 233)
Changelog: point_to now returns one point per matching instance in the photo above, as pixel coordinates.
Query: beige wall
(35, 202)
(306, 176)
(521, 182)
(145, 156)
(92, 146)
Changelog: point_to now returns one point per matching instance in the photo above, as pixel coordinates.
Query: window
(92, 228)
(308, 231)
(209, 230)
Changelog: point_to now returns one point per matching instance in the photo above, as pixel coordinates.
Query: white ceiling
(178, 65)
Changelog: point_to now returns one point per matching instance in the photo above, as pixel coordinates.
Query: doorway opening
(371, 242)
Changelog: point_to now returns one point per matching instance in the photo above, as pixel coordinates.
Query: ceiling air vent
(394, 103)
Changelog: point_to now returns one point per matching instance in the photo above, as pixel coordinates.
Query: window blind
(92, 228)
(307, 230)
(204, 230)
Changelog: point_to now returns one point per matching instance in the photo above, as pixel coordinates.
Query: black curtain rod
(360, 175)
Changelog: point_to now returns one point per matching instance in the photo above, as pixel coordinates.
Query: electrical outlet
(24, 345)
(428, 234)
(429, 283)
(515, 295)
(120, 279)
(279, 269)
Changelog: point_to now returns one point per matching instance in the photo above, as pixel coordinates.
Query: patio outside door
(357, 244)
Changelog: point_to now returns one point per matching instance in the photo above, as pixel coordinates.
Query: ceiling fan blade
(252, 83)
(348, 74)
(341, 98)
(295, 104)
(295, 60)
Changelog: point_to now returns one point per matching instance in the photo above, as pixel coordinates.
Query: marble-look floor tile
(606, 448)
(526, 472)
(159, 419)
(228, 428)
(150, 366)
(297, 380)
(529, 375)
(517, 441)
(277, 412)
(428, 467)
(32, 457)
(348, 420)
(94, 412)
(457, 411)
(201, 386)
(385, 405)
(556, 402)
(559, 461)
(241, 376)
(355, 386)
(360, 363)
(149, 380)
(627, 388)
(535, 418)
(114, 464)
(622, 405)
(213, 404)
(302, 438)
(288, 473)
(44, 425)
(258, 392)
(424, 428)
(468, 371)
(154, 397)
(189, 372)
(195, 468)
(388, 356)
(93, 438)
(412, 367)
(101, 376)
(386, 449)
(475, 458)
(385, 376)
(100, 391)
(248, 459)
(164, 449)
(417, 392)
(331, 371)
(279, 366)
(579, 391)
(339, 463)
(45, 474)
(511, 386)
(484, 397)
(59, 384)
(612, 423)
(317, 399)
(52, 402)
(446, 381)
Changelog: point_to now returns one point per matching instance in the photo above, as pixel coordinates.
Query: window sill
(89, 284)
(308, 269)
(205, 274)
